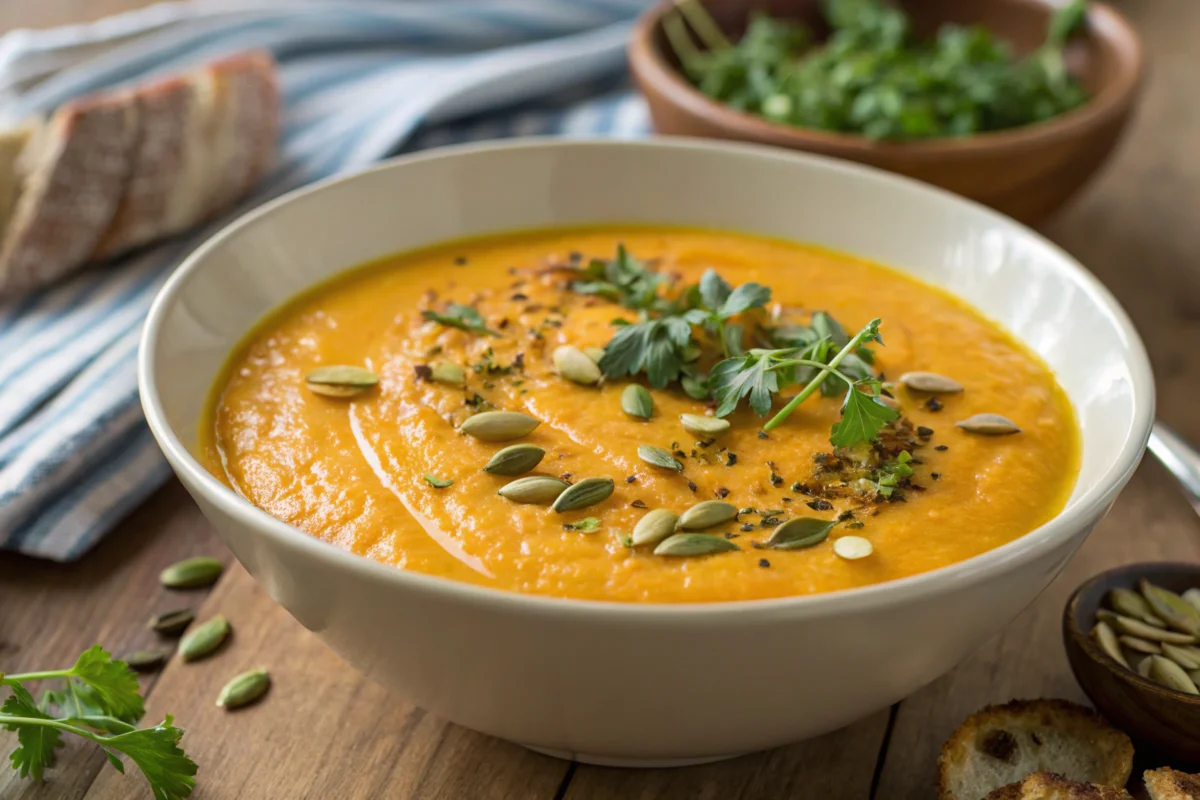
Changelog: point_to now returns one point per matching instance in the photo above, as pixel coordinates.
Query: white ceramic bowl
(647, 684)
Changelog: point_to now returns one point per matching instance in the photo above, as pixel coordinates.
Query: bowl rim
(1019, 552)
(1074, 633)
(649, 66)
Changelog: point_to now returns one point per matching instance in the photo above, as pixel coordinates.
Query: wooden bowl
(1155, 717)
(1026, 172)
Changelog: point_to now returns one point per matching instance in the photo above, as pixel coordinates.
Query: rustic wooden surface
(325, 732)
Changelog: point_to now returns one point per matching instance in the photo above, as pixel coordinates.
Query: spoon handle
(1178, 456)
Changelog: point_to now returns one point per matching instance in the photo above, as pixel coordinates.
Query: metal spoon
(1179, 457)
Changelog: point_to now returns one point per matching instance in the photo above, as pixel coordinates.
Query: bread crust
(1170, 784)
(1048, 786)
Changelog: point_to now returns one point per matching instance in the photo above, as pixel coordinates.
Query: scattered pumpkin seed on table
(499, 426)
(340, 380)
(247, 688)
(516, 459)
(146, 660)
(192, 573)
(173, 623)
(205, 639)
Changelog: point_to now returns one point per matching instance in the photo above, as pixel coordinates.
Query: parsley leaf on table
(462, 317)
(35, 744)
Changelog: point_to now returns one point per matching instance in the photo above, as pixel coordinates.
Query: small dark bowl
(1026, 172)
(1157, 718)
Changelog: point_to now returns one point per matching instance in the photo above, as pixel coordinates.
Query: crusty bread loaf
(1001, 745)
(1169, 784)
(1048, 786)
(75, 170)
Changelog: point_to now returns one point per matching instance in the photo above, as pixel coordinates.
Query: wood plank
(49, 613)
(841, 764)
(323, 730)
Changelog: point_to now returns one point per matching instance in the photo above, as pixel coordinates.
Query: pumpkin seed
(798, 533)
(1192, 598)
(244, 689)
(1171, 608)
(146, 660)
(499, 426)
(705, 515)
(516, 459)
(541, 490)
(684, 545)
(853, 548)
(1104, 636)
(700, 425)
(988, 425)
(1143, 667)
(1131, 604)
(594, 353)
(930, 382)
(339, 380)
(890, 402)
(204, 640)
(172, 623)
(574, 365)
(1191, 650)
(637, 402)
(1143, 631)
(587, 492)
(1180, 656)
(654, 526)
(1139, 645)
(191, 573)
(448, 373)
(1171, 675)
(657, 457)
(1104, 615)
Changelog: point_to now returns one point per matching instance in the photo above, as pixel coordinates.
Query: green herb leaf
(750, 376)
(156, 752)
(585, 525)
(114, 686)
(714, 291)
(863, 416)
(462, 317)
(654, 346)
(744, 298)
(35, 744)
(624, 279)
(438, 483)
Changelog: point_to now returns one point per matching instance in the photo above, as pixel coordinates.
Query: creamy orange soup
(352, 471)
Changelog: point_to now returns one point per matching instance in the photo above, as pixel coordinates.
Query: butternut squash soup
(643, 414)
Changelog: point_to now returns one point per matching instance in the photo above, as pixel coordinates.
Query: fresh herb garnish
(464, 318)
(653, 346)
(100, 703)
(623, 280)
(585, 525)
(892, 472)
(438, 483)
(719, 302)
(873, 77)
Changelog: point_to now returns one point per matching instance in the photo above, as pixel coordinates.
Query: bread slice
(1169, 784)
(1001, 745)
(74, 173)
(12, 143)
(1048, 786)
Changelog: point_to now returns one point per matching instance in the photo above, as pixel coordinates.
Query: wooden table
(325, 732)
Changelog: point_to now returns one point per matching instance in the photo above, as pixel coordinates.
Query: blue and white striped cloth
(362, 79)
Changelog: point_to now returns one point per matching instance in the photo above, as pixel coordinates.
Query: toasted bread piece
(1169, 784)
(170, 113)
(1048, 786)
(77, 168)
(1001, 745)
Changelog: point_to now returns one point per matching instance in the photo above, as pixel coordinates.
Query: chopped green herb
(462, 317)
(585, 525)
(438, 483)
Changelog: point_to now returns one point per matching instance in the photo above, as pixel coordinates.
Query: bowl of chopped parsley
(1014, 103)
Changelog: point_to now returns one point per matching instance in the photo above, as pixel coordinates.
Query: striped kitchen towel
(362, 79)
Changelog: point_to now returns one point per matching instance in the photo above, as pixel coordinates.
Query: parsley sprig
(465, 318)
(99, 702)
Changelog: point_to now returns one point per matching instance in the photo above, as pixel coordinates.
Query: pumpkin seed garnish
(1148, 632)
(1192, 598)
(657, 457)
(706, 427)
(498, 426)
(853, 548)
(1143, 667)
(988, 425)
(1171, 675)
(172, 623)
(516, 459)
(244, 689)
(587, 492)
(340, 380)
(574, 365)
(1129, 603)
(191, 573)
(438, 483)
(653, 527)
(539, 490)
(683, 545)
(451, 374)
(1104, 636)
(930, 382)
(1180, 656)
(1139, 645)
(1171, 608)
(594, 353)
(798, 533)
(705, 515)
(204, 640)
(146, 660)
(637, 402)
